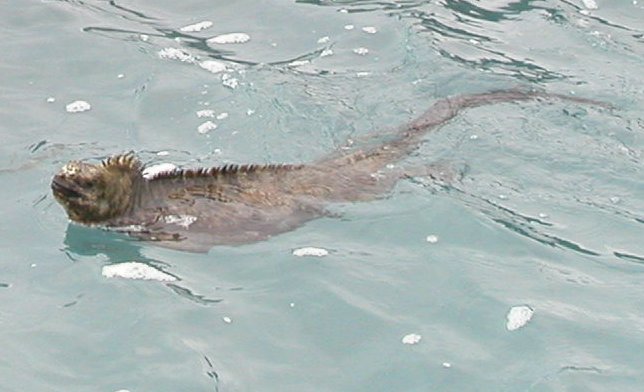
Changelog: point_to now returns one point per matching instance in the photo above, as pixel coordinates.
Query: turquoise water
(549, 215)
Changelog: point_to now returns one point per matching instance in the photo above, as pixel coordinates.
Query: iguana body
(234, 204)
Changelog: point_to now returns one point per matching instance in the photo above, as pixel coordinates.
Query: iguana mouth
(64, 188)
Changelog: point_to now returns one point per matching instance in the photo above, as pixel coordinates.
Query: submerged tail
(409, 136)
(446, 109)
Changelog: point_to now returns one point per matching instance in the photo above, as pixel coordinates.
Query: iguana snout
(93, 194)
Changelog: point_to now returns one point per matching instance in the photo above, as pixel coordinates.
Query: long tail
(409, 136)
(446, 109)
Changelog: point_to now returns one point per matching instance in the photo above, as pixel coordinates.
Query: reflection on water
(118, 248)
(469, 33)
(549, 216)
(88, 241)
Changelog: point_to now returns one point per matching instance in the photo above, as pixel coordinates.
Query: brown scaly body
(234, 204)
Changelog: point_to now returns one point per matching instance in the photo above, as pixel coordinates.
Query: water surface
(549, 214)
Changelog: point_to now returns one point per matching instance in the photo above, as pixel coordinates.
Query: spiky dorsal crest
(229, 170)
(128, 162)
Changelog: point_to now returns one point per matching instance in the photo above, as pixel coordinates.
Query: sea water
(524, 275)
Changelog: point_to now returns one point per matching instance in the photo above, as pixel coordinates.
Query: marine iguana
(195, 209)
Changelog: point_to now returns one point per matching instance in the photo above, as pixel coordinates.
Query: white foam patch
(590, 4)
(310, 251)
(182, 220)
(230, 38)
(229, 81)
(176, 54)
(432, 239)
(222, 116)
(206, 127)
(411, 338)
(518, 316)
(128, 228)
(213, 66)
(370, 30)
(137, 271)
(324, 40)
(349, 27)
(205, 113)
(361, 51)
(151, 171)
(196, 27)
(326, 52)
(78, 106)
(298, 63)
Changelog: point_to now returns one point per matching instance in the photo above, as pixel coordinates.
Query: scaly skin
(196, 209)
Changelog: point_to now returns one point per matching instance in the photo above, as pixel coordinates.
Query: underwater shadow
(119, 248)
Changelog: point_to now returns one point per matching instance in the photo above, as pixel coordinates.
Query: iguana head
(94, 194)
